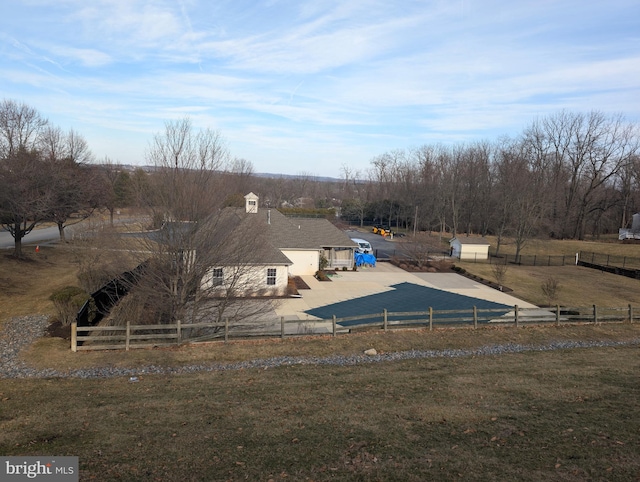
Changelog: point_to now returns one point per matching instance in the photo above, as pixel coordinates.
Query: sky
(314, 87)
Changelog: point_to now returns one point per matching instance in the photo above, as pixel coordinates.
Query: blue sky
(306, 87)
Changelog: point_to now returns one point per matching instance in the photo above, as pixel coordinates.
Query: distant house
(469, 247)
(274, 247)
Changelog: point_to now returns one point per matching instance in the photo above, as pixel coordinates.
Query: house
(265, 248)
(469, 247)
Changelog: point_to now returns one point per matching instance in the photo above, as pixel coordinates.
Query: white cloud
(289, 79)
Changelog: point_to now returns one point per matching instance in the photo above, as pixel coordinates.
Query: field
(566, 414)
(25, 286)
(557, 415)
(578, 286)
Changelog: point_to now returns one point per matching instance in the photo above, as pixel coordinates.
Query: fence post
(535, 256)
(226, 329)
(384, 319)
(475, 318)
(179, 331)
(430, 318)
(74, 336)
(557, 315)
(127, 335)
(595, 315)
(282, 327)
(630, 313)
(333, 321)
(516, 316)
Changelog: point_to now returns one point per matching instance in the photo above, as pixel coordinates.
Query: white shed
(469, 247)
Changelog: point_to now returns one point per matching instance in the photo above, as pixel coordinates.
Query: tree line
(567, 175)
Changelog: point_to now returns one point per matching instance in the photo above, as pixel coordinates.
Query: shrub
(67, 302)
(324, 262)
(550, 289)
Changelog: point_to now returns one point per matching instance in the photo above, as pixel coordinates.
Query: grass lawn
(25, 285)
(578, 286)
(567, 415)
(562, 415)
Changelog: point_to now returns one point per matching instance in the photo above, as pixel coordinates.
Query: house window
(271, 276)
(217, 277)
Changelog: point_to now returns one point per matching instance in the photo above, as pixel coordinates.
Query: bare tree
(114, 187)
(584, 153)
(42, 174)
(20, 128)
(550, 288)
(74, 186)
(25, 194)
(499, 271)
(24, 179)
(198, 238)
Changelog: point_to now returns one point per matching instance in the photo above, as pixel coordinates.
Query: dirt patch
(299, 283)
(58, 330)
(431, 266)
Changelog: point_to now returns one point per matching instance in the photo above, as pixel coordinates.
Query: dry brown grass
(55, 352)
(579, 286)
(25, 285)
(550, 247)
(568, 415)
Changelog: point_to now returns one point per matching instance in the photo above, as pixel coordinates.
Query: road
(50, 235)
(39, 236)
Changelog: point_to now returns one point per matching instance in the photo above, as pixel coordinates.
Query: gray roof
(471, 240)
(284, 233)
(303, 233)
(238, 231)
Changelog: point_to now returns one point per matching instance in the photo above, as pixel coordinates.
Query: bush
(324, 262)
(550, 288)
(68, 301)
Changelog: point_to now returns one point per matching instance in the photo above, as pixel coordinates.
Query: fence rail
(610, 260)
(146, 336)
(527, 260)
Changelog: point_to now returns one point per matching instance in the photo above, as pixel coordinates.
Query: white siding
(251, 280)
(304, 261)
(468, 250)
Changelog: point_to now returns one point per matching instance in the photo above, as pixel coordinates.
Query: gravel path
(20, 332)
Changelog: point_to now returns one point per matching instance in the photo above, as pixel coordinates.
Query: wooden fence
(148, 336)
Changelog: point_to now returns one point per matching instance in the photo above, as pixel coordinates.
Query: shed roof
(471, 240)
